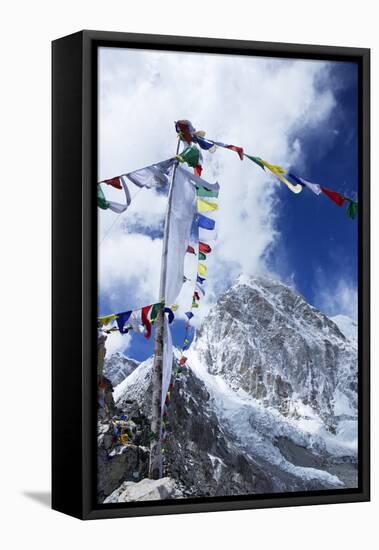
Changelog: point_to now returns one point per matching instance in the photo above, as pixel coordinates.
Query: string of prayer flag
(294, 183)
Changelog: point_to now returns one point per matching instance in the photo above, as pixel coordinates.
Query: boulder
(146, 489)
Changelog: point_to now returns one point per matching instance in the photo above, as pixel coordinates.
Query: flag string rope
(107, 233)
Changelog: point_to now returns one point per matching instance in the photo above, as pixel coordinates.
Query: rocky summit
(266, 403)
(117, 367)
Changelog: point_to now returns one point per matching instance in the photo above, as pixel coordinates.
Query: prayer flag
(205, 222)
(198, 170)
(334, 196)
(205, 206)
(202, 192)
(279, 172)
(205, 248)
(101, 200)
(257, 160)
(114, 182)
(190, 155)
(190, 249)
(205, 144)
(146, 321)
(312, 186)
(154, 311)
(352, 209)
(238, 150)
(202, 256)
(170, 314)
(200, 279)
(202, 269)
(121, 320)
(197, 181)
(198, 288)
(155, 175)
(185, 130)
(183, 210)
(106, 319)
(189, 314)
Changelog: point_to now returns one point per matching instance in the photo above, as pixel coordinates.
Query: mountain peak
(264, 338)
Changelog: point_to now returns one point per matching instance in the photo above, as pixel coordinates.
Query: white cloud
(116, 342)
(262, 104)
(337, 297)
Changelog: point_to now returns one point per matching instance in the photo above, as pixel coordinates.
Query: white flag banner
(197, 180)
(312, 186)
(118, 207)
(155, 175)
(167, 360)
(183, 208)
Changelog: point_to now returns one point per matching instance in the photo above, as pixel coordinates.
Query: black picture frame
(74, 333)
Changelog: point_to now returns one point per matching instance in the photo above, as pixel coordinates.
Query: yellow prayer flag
(279, 172)
(205, 206)
(275, 169)
(103, 321)
(174, 307)
(294, 188)
(202, 269)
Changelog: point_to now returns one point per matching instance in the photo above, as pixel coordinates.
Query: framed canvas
(210, 275)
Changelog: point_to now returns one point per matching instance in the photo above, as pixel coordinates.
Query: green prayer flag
(202, 256)
(101, 200)
(352, 210)
(202, 192)
(257, 160)
(190, 155)
(154, 311)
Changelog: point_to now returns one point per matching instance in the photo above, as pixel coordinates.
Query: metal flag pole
(155, 464)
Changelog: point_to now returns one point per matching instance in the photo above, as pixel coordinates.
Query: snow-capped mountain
(264, 338)
(117, 367)
(347, 326)
(267, 401)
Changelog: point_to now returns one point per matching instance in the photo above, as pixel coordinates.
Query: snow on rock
(347, 326)
(117, 367)
(263, 338)
(146, 489)
(135, 384)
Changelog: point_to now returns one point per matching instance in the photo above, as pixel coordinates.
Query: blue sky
(302, 115)
(320, 241)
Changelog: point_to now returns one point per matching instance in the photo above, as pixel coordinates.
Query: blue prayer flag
(122, 319)
(205, 222)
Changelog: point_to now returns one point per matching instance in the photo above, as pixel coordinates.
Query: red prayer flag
(196, 296)
(114, 182)
(146, 321)
(183, 360)
(183, 126)
(238, 150)
(336, 197)
(191, 250)
(197, 170)
(204, 248)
